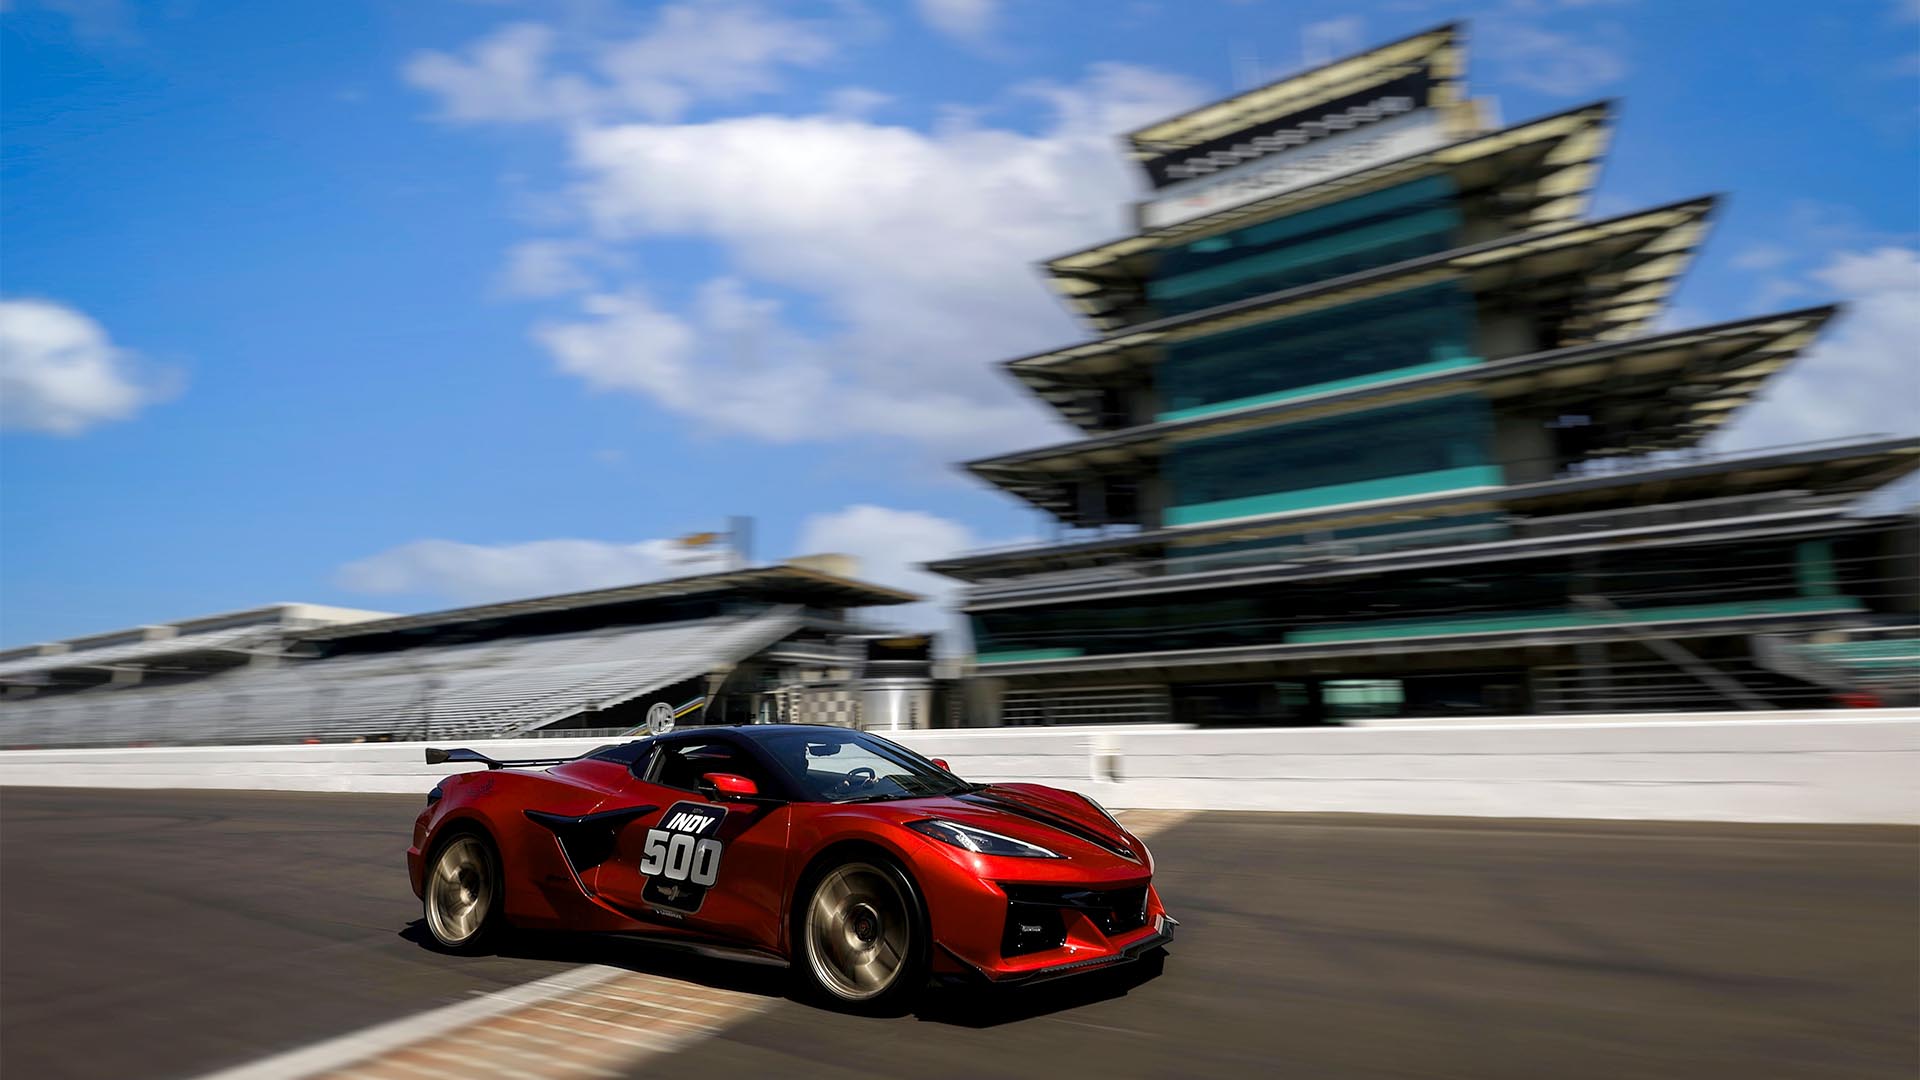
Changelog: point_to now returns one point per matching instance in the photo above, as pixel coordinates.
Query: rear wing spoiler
(437, 756)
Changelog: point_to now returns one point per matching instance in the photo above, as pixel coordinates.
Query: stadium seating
(493, 688)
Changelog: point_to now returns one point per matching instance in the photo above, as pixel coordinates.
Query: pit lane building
(1377, 420)
(770, 643)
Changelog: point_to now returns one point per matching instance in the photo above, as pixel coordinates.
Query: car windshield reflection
(832, 765)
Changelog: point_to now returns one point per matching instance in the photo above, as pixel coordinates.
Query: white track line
(405, 1048)
(395, 1034)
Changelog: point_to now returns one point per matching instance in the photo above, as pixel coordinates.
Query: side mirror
(720, 787)
(942, 763)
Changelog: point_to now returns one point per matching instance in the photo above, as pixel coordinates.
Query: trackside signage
(1323, 158)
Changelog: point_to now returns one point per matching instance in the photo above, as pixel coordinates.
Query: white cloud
(967, 20)
(547, 268)
(482, 573)
(890, 545)
(61, 373)
(857, 102)
(1330, 39)
(915, 245)
(727, 365)
(872, 274)
(503, 77)
(627, 344)
(1552, 62)
(706, 50)
(1567, 64)
(1863, 375)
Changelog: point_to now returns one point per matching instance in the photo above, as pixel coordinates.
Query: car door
(708, 866)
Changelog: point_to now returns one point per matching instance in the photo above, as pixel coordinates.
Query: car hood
(1050, 817)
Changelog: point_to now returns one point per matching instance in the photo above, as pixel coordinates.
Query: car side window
(681, 764)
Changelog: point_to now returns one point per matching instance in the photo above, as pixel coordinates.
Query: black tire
(860, 937)
(463, 894)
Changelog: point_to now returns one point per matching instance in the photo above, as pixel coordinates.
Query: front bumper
(1127, 949)
(1074, 916)
(1154, 937)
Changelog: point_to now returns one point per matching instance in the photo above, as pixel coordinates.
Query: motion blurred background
(1224, 408)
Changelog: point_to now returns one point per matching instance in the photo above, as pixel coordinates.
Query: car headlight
(972, 838)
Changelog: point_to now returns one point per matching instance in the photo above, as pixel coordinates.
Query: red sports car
(864, 866)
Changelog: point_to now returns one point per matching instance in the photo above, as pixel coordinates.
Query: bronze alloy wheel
(461, 892)
(860, 928)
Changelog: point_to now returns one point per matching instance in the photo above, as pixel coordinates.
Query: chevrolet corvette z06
(863, 866)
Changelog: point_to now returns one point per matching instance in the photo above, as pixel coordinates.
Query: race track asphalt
(168, 933)
(165, 934)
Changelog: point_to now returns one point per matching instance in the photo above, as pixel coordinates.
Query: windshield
(835, 765)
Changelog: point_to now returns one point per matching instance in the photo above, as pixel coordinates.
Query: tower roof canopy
(786, 584)
(1659, 392)
(1835, 467)
(1598, 281)
(1534, 175)
(1435, 57)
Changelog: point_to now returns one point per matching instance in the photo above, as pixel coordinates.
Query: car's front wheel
(863, 938)
(462, 898)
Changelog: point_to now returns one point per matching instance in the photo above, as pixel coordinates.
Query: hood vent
(1051, 820)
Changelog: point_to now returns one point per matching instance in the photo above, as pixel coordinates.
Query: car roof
(748, 732)
(759, 731)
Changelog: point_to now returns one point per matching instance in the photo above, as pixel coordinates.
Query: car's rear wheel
(863, 939)
(462, 898)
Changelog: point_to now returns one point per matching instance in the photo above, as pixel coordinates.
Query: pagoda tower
(1376, 420)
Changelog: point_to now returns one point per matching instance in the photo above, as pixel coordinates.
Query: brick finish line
(592, 1032)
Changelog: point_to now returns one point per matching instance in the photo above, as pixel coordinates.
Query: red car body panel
(769, 846)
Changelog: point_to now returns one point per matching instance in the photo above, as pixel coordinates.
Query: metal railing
(1613, 467)
(1506, 529)
(577, 733)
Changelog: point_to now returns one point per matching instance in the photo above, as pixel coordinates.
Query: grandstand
(761, 644)
(188, 647)
(1872, 665)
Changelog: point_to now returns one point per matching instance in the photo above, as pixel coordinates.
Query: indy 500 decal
(682, 856)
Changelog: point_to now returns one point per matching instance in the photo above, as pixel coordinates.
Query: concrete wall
(1842, 767)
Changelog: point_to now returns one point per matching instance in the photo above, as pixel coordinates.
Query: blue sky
(404, 305)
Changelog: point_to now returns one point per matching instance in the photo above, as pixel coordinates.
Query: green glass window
(1426, 329)
(1434, 445)
(1353, 699)
(1712, 581)
(1361, 233)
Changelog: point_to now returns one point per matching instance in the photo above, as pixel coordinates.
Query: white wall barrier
(1836, 767)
